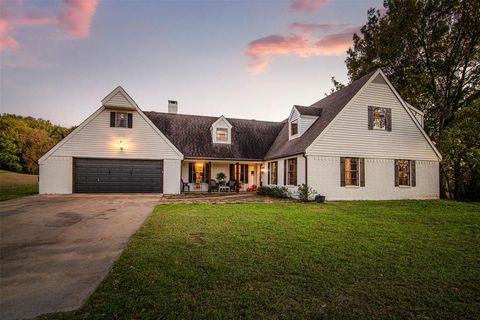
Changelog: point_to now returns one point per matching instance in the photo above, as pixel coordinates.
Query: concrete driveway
(55, 250)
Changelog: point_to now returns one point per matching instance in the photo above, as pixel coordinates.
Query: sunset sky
(243, 59)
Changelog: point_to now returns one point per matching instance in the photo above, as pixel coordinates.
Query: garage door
(108, 175)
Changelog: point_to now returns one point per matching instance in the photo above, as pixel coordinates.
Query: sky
(241, 59)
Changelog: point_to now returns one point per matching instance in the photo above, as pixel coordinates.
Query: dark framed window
(197, 172)
(221, 134)
(352, 171)
(379, 118)
(273, 172)
(121, 119)
(293, 128)
(292, 172)
(405, 173)
(242, 175)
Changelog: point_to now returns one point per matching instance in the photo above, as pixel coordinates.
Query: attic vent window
(222, 134)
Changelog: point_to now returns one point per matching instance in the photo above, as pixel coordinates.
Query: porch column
(237, 177)
(209, 169)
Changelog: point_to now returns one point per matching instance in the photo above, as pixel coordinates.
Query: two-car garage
(117, 175)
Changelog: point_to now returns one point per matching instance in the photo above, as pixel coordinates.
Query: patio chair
(213, 185)
(253, 188)
(232, 184)
(185, 185)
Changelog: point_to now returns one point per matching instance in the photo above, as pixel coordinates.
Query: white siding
(171, 176)
(324, 177)
(348, 134)
(305, 123)
(56, 175)
(119, 100)
(98, 140)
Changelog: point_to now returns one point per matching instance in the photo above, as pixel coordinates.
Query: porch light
(121, 145)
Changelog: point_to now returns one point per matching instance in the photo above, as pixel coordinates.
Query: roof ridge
(213, 117)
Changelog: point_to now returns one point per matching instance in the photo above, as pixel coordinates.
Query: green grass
(14, 185)
(344, 260)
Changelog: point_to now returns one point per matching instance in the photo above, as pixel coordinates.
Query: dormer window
(294, 127)
(221, 131)
(222, 134)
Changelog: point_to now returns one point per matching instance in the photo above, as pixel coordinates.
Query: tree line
(23, 140)
(430, 51)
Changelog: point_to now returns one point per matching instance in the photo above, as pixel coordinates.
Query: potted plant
(221, 177)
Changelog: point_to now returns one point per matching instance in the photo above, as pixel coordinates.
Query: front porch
(220, 176)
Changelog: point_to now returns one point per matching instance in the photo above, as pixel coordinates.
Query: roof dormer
(300, 120)
(221, 131)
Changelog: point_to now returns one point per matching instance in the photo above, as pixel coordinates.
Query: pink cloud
(76, 17)
(6, 39)
(306, 5)
(260, 50)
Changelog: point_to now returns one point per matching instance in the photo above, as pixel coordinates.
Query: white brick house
(362, 142)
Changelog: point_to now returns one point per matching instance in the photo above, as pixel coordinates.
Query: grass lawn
(344, 260)
(14, 185)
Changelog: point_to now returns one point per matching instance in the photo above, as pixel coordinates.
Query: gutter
(306, 168)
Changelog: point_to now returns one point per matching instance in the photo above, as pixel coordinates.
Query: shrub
(263, 191)
(305, 193)
(277, 192)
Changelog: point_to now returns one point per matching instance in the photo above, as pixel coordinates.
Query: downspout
(306, 168)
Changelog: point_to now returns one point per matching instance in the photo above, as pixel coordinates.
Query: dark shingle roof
(251, 139)
(330, 106)
(191, 135)
(309, 111)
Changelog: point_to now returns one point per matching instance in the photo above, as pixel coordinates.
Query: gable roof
(308, 111)
(327, 109)
(191, 134)
(119, 98)
(108, 103)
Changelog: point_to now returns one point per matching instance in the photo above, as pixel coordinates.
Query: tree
(461, 160)
(337, 85)
(430, 50)
(23, 140)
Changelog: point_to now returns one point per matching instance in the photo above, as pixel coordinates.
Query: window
(222, 134)
(121, 119)
(197, 172)
(405, 173)
(293, 128)
(352, 172)
(243, 175)
(292, 172)
(379, 118)
(272, 172)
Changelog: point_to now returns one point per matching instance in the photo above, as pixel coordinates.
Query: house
(361, 142)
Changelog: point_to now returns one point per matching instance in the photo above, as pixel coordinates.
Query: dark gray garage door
(108, 175)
